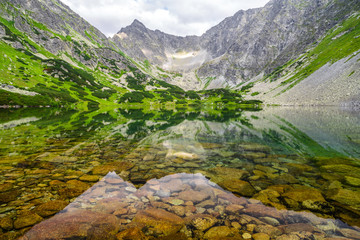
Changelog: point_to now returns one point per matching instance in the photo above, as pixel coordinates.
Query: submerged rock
(202, 221)
(318, 206)
(238, 186)
(346, 197)
(132, 234)
(301, 195)
(343, 169)
(5, 187)
(193, 196)
(226, 172)
(259, 210)
(159, 221)
(50, 208)
(268, 229)
(350, 233)
(26, 220)
(89, 178)
(6, 223)
(352, 181)
(9, 196)
(219, 232)
(186, 155)
(76, 224)
(261, 236)
(254, 147)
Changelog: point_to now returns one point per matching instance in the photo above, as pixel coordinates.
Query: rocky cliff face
(59, 30)
(246, 45)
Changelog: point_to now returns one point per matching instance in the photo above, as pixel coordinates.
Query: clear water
(283, 173)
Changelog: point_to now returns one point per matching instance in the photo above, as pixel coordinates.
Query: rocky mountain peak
(137, 25)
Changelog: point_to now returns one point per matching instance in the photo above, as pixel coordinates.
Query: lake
(214, 173)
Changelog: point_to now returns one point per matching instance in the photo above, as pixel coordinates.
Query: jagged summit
(136, 24)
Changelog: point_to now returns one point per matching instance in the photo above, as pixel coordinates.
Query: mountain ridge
(52, 56)
(247, 46)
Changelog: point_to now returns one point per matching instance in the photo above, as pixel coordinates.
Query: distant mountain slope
(250, 45)
(327, 74)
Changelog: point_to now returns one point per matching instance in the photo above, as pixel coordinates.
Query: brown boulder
(89, 178)
(268, 229)
(6, 223)
(238, 186)
(301, 195)
(234, 208)
(259, 210)
(226, 172)
(261, 236)
(219, 232)
(193, 196)
(159, 221)
(346, 197)
(26, 220)
(342, 169)
(5, 187)
(202, 221)
(131, 234)
(77, 185)
(297, 227)
(50, 208)
(75, 225)
(350, 233)
(9, 196)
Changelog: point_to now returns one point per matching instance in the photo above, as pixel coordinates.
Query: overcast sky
(178, 17)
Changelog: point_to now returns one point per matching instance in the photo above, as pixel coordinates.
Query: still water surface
(279, 173)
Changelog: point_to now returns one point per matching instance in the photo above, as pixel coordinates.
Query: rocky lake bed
(167, 179)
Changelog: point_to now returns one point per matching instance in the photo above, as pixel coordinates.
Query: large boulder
(159, 221)
(76, 224)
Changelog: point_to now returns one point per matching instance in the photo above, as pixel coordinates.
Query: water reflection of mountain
(310, 132)
(179, 206)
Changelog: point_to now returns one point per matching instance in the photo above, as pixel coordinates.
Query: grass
(340, 42)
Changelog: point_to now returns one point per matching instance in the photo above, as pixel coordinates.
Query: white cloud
(185, 17)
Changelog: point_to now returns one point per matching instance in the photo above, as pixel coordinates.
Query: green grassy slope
(341, 41)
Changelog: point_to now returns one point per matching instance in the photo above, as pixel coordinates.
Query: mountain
(298, 52)
(49, 55)
(254, 45)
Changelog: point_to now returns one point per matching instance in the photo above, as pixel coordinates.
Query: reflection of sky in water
(183, 204)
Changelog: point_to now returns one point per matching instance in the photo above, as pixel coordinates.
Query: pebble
(246, 236)
(176, 202)
(236, 225)
(130, 189)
